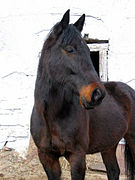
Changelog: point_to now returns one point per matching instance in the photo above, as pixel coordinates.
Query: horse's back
(121, 92)
(125, 96)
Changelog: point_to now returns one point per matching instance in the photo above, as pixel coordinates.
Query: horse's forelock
(69, 34)
(56, 31)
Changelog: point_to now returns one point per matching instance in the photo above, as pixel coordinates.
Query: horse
(74, 113)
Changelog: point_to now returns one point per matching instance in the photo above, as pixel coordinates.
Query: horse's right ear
(79, 24)
(65, 20)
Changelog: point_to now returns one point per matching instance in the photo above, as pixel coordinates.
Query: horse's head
(66, 59)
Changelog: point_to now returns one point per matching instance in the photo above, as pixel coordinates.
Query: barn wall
(23, 29)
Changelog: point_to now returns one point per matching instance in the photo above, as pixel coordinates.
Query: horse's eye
(69, 49)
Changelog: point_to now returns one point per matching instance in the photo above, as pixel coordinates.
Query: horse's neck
(56, 103)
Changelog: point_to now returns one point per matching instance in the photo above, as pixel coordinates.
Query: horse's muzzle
(92, 95)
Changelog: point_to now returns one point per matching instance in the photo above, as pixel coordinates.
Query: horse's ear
(79, 24)
(65, 20)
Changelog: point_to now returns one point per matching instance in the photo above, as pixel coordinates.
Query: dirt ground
(14, 167)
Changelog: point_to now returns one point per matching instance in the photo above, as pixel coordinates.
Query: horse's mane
(50, 37)
(49, 42)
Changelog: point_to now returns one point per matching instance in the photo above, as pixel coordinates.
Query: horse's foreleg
(51, 165)
(111, 164)
(78, 166)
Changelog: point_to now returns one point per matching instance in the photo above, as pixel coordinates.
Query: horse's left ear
(65, 20)
(79, 24)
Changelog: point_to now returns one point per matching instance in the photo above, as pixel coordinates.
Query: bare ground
(14, 167)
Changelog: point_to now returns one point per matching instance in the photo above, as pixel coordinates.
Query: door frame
(102, 48)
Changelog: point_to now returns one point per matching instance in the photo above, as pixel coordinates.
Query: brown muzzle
(92, 95)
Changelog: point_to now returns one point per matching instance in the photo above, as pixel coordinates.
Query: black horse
(67, 86)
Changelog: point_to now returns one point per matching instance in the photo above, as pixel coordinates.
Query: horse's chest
(59, 140)
(57, 145)
(64, 139)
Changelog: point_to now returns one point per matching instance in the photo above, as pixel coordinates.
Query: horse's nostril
(91, 95)
(97, 95)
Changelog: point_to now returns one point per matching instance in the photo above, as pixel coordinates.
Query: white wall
(24, 25)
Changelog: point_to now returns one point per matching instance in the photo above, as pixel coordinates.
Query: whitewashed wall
(24, 25)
